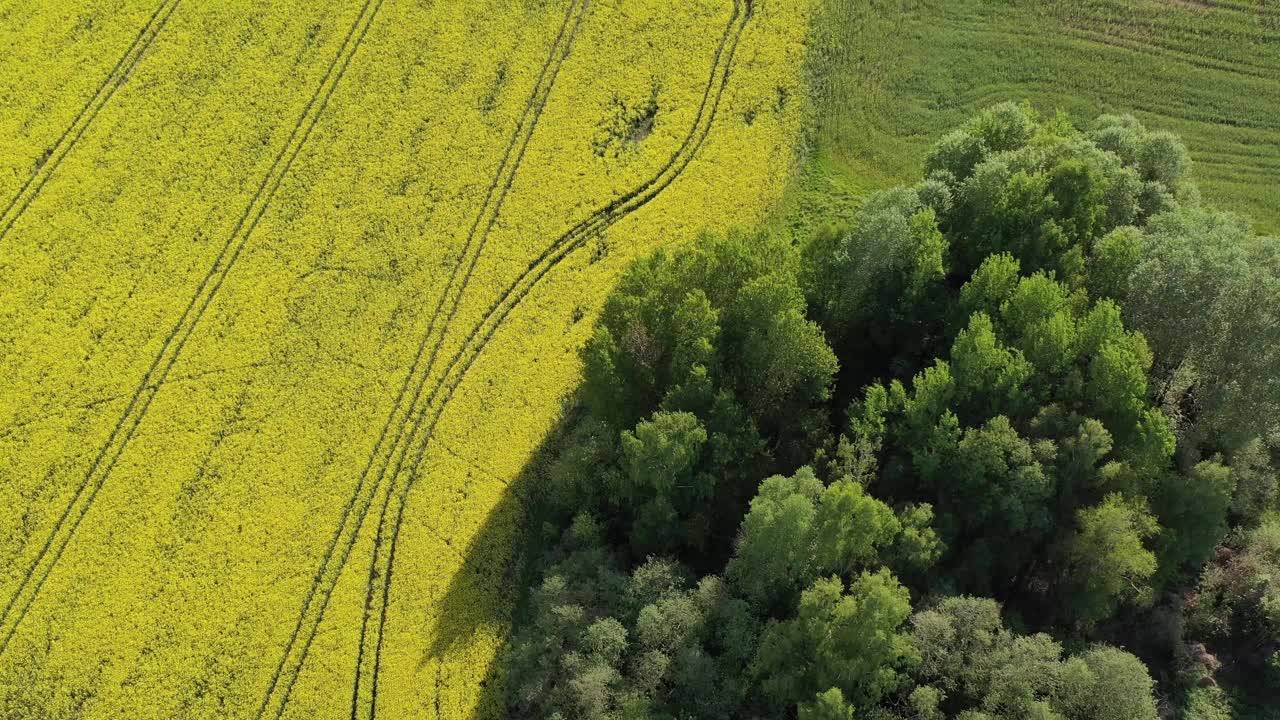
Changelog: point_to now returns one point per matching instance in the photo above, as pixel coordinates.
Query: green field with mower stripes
(290, 293)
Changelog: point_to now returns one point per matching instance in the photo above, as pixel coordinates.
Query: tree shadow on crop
(491, 588)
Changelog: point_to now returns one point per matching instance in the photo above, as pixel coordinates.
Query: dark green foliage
(660, 485)
(1054, 383)
(1257, 487)
(1192, 508)
(706, 366)
(718, 330)
(876, 287)
(1040, 410)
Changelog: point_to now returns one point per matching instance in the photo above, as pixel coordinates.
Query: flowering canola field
(291, 292)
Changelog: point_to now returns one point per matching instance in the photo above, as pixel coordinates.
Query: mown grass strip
(104, 462)
(67, 141)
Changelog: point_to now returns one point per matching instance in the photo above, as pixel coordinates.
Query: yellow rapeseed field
(291, 292)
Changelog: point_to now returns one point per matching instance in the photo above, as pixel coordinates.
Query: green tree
(877, 286)
(975, 663)
(1041, 409)
(782, 355)
(1046, 200)
(1000, 128)
(1206, 294)
(1192, 508)
(846, 640)
(1108, 558)
(774, 559)
(1107, 683)
(955, 641)
(662, 485)
(828, 705)
(717, 330)
(798, 530)
(1257, 486)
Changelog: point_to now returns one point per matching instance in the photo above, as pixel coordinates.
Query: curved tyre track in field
(316, 601)
(67, 141)
(104, 462)
(511, 297)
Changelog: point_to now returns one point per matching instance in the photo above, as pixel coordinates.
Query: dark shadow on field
(497, 571)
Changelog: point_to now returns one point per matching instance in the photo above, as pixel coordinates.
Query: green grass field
(895, 74)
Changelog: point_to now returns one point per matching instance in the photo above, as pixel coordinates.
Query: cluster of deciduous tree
(1001, 448)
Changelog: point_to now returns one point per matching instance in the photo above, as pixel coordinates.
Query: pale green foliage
(604, 645)
(846, 640)
(1207, 703)
(1000, 128)
(1042, 193)
(1206, 293)
(953, 639)
(925, 703)
(975, 662)
(797, 530)
(1106, 683)
(1110, 562)
(828, 705)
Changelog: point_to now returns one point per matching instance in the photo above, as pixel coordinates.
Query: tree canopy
(1002, 446)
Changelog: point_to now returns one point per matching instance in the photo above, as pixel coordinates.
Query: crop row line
(514, 294)
(362, 666)
(171, 349)
(365, 494)
(67, 141)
